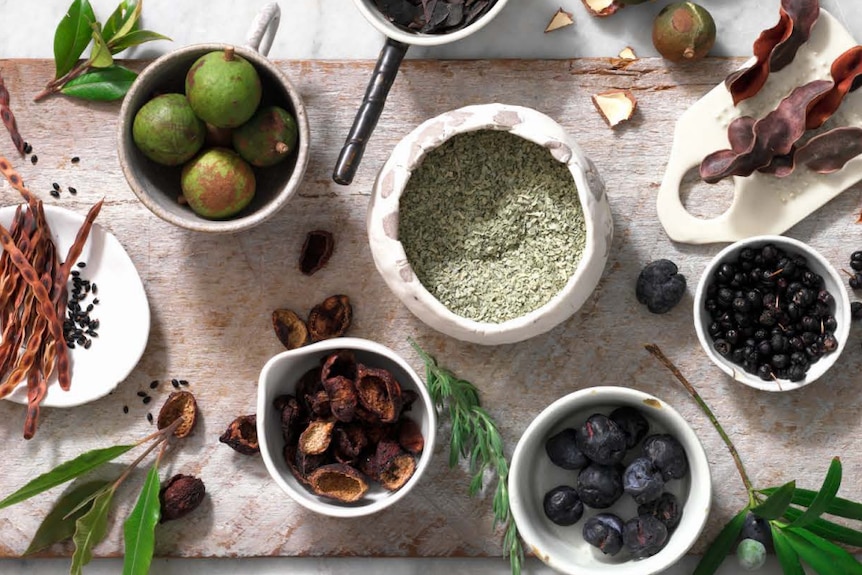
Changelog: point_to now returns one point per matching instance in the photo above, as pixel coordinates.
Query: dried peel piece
(290, 330)
(179, 404)
(316, 251)
(330, 318)
(825, 153)
(338, 481)
(379, 393)
(560, 19)
(316, 437)
(624, 58)
(615, 106)
(602, 8)
(241, 435)
(846, 77)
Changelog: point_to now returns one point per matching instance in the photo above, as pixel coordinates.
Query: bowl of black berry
(609, 481)
(772, 313)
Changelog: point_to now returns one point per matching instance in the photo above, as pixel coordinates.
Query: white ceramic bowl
(391, 260)
(532, 474)
(818, 264)
(280, 375)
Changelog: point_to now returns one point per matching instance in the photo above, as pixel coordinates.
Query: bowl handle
(262, 30)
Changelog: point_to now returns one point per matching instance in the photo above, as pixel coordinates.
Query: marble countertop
(334, 29)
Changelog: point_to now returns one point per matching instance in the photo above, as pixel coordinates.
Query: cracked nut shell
(330, 318)
(338, 481)
(181, 495)
(179, 404)
(241, 435)
(290, 330)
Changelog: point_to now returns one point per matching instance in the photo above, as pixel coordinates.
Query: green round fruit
(751, 554)
(683, 31)
(223, 88)
(268, 138)
(167, 131)
(217, 184)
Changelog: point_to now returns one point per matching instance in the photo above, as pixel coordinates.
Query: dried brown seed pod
(330, 318)
(320, 405)
(181, 495)
(379, 392)
(241, 435)
(293, 419)
(393, 466)
(316, 251)
(179, 404)
(341, 363)
(350, 440)
(410, 436)
(316, 437)
(338, 481)
(305, 463)
(342, 397)
(289, 328)
(307, 386)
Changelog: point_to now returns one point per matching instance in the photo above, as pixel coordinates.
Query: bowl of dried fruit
(609, 481)
(772, 313)
(490, 224)
(345, 426)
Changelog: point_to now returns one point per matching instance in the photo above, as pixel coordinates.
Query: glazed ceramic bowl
(280, 376)
(158, 187)
(818, 264)
(532, 475)
(392, 262)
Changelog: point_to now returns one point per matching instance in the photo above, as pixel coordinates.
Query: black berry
(667, 454)
(563, 451)
(633, 423)
(666, 509)
(563, 506)
(659, 286)
(605, 531)
(644, 536)
(643, 481)
(600, 486)
(601, 440)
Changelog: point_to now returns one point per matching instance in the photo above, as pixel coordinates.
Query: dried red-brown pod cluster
(345, 427)
(330, 318)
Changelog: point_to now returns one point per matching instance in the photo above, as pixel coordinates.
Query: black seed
(56, 186)
(150, 417)
(75, 274)
(72, 190)
(27, 148)
(70, 345)
(81, 264)
(147, 399)
(96, 301)
(34, 159)
(175, 383)
(142, 394)
(154, 384)
(94, 288)
(87, 344)
(125, 409)
(184, 382)
(75, 159)
(55, 193)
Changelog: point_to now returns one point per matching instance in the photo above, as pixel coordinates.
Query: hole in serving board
(702, 200)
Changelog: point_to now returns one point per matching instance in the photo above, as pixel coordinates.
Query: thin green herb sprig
(476, 438)
(799, 532)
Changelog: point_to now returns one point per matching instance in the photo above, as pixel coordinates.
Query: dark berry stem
(659, 355)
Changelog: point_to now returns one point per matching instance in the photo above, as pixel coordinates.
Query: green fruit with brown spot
(217, 184)
(167, 131)
(268, 138)
(683, 31)
(223, 88)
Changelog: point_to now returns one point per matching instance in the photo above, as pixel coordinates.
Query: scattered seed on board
(72, 190)
(56, 186)
(81, 264)
(55, 193)
(147, 399)
(142, 394)
(154, 384)
(125, 409)
(33, 159)
(184, 382)
(27, 148)
(75, 159)
(150, 417)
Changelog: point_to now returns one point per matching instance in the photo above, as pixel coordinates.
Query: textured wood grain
(211, 298)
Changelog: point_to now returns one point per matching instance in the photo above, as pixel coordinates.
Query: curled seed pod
(179, 404)
(181, 495)
(241, 435)
(683, 31)
(330, 318)
(290, 330)
(846, 75)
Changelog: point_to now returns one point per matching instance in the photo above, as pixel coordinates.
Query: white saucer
(123, 312)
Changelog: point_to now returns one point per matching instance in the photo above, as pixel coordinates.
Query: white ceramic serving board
(762, 203)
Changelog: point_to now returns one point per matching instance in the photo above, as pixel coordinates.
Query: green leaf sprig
(83, 513)
(475, 437)
(799, 532)
(97, 77)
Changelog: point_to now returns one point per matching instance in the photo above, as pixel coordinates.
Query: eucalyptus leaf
(100, 56)
(72, 36)
(90, 529)
(130, 21)
(721, 545)
(139, 530)
(824, 557)
(59, 524)
(103, 85)
(787, 556)
(777, 503)
(66, 472)
(114, 21)
(839, 507)
(824, 497)
(827, 529)
(135, 38)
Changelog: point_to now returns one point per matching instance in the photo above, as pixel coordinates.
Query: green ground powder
(492, 225)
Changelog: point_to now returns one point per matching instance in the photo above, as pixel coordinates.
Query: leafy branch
(97, 77)
(794, 516)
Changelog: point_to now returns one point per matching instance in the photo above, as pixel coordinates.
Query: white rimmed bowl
(392, 262)
(818, 264)
(280, 375)
(532, 474)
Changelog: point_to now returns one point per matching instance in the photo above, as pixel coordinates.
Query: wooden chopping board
(211, 299)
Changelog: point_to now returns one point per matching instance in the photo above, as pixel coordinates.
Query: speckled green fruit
(751, 554)
(223, 88)
(217, 184)
(268, 138)
(683, 31)
(167, 131)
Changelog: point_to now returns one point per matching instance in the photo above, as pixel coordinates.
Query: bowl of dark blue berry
(610, 481)
(772, 313)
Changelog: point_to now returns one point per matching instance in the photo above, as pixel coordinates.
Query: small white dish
(123, 312)
(818, 264)
(532, 475)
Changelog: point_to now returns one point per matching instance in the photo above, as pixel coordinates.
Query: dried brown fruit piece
(349, 440)
(338, 481)
(602, 8)
(560, 19)
(241, 435)
(293, 419)
(289, 328)
(392, 465)
(316, 251)
(181, 495)
(615, 106)
(379, 393)
(307, 386)
(316, 437)
(321, 407)
(330, 318)
(179, 404)
(410, 436)
(343, 398)
(341, 363)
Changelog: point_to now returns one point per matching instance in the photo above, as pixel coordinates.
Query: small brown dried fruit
(330, 318)
(602, 8)
(307, 386)
(338, 481)
(393, 466)
(316, 437)
(342, 397)
(179, 404)
(241, 435)
(379, 393)
(321, 407)
(615, 106)
(341, 363)
(560, 19)
(293, 420)
(181, 495)
(307, 462)
(316, 251)
(289, 328)
(350, 440)
(410, 436)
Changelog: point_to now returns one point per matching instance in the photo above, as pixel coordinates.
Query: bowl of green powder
(490, 224)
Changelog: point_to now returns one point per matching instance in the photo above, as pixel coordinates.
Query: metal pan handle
(369, 112)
